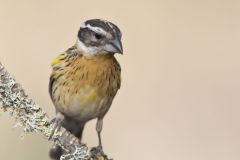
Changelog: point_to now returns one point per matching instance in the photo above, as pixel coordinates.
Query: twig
(32, 118)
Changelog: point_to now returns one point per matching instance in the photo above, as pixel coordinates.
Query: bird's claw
(57, 123)
(99, 148)
(98, 154)
(52, 120)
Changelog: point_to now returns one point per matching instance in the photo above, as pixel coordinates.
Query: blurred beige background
(180, 95)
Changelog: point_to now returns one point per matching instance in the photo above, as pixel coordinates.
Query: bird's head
(98, 36)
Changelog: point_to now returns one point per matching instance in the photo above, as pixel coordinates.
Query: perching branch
(33, 119)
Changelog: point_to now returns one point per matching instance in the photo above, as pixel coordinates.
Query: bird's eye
(98, 36)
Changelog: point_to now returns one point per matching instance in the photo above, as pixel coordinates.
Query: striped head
(98, 36)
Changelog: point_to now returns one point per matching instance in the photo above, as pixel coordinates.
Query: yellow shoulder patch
(57, 59)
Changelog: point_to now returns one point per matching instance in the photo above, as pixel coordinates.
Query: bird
(85, 79)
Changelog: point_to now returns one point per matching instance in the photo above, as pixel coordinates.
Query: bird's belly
(90, 111)
(84, 105)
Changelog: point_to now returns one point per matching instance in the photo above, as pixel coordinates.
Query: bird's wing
(58, 64)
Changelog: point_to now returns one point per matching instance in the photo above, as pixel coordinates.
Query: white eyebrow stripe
(95, 29)
(110, 25)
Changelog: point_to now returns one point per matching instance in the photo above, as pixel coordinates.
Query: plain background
(180, 94)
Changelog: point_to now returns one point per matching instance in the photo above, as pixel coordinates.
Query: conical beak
(114, 46)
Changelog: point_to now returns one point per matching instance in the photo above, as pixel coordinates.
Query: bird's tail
(73, 126)
(55, 152)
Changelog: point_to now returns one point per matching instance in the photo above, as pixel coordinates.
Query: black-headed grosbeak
(86, 78)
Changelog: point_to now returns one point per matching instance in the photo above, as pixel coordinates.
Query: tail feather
(55, 152)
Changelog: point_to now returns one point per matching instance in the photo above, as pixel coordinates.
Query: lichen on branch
(32, 118)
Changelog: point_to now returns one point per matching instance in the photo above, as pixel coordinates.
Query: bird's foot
(99, 148)
(57, 123)
(98, 154)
